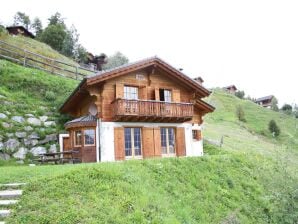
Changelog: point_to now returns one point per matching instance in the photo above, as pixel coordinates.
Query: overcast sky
(252, 44)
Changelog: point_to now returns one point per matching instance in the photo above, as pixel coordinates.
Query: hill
(251, 179)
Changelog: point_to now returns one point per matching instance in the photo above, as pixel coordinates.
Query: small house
(19, 30)
(231, 89)
(199, 80)
(140, 110)
(265, 101)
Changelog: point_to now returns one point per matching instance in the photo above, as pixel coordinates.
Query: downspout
(98, 152)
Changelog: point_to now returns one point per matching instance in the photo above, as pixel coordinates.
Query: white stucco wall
(106, 132)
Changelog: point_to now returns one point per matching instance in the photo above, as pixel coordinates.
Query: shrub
(240, 113)
(240, 94)
(50, 96)
(273, 128)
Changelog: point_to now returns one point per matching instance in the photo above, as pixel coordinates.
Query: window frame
(75, 138)
(168, 153)
(89, 129)
(132, 142)
(130, 92)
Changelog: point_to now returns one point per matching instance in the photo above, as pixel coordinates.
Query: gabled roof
(81, 121)
(230, 86)
(205, 107)
(10, 29)
(264, 98)
(153, 62)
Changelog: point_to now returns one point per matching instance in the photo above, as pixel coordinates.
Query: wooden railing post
(25, 55)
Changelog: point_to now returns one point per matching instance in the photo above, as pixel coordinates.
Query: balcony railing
(150, 110)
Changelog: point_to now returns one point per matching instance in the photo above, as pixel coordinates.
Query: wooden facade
(146, 92)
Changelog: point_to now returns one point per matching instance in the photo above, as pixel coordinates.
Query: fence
(34, 60)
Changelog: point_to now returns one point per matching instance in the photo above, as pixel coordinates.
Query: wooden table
(57, 157)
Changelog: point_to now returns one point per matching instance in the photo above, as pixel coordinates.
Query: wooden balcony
(151, 111)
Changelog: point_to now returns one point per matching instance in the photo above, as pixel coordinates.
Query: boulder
(21, 134)
(49, 138)
(7, 112)
(43, 118)
(9, 135)
(1, 96)
(1, 145)
(34, 121)
(6, 125)
(33, 135)
(28, 128)
(29, 115)
(2, 116)
(31, 142)
(49, 123)
(12, 144)
(53, 148)
(21, 153)
(38, 150)
(18, 119)
(4, 156)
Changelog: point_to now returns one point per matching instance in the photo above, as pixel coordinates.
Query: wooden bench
(58, 157)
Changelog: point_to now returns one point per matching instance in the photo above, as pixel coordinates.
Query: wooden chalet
(19, 30)
(231, 89)
(265, 101)
(138, 110)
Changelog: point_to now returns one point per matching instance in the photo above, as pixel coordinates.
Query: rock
(1, 96)
(1, 145)
(42, 107)
(49, 138)
(32, 142)
(9, 135)
(21, 134)
(12, 144)
(2, 116)
(29, 115)
(34, 121)
(43, 118)
(28, 128)
(7, 112)
(53, 148)
(6, 125)
(38, 150)
(18, 119)
(20, 162)
(49, 123)
(21, 153)
(1, 137)
(33, 135)
(4, 156)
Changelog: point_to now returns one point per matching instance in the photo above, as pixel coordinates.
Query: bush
(50, 96)
(273, 128)
(240, 94)
(240, 113)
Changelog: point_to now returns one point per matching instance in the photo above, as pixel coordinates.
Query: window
(130, 93)
(89, 137)
(132, 137)
(78, 138)
(165, 95)
(167, 141)
(196, 135)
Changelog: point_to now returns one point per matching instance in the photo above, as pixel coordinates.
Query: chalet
(138, 110)
(19, 30)
(199, 80)
(265, 101)
(231, 89)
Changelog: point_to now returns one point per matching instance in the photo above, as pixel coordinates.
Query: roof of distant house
(10, 29)
(264, 98)
(230, 86)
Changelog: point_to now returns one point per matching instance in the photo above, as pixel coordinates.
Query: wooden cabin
(231, 89)
(19, 30)
(139, 110)
(265, 101)
(199, 80)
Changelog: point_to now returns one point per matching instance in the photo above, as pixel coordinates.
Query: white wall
(106, 130)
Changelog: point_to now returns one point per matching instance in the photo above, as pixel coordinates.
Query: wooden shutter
(148, 142)
(180, 142)
(198, 135)
(157, 94)
(157, 142)
(176, 95)
(143, 93)
(119, 143)
(119, 90)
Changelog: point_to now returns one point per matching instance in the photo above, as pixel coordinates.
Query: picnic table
(58, 157)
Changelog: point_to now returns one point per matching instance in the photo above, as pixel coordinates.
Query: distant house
(98, 61)
(231, 89)
(199, 80)
(19, 30)
(265, 101)
(144, 109)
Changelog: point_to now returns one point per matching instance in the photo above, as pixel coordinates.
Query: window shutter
(148, 142)
(143, 93)
(199, 135)
(119, 90)
(157, 94)
(176, 95)
(180, 142)
(119, 143)
(157, 142)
